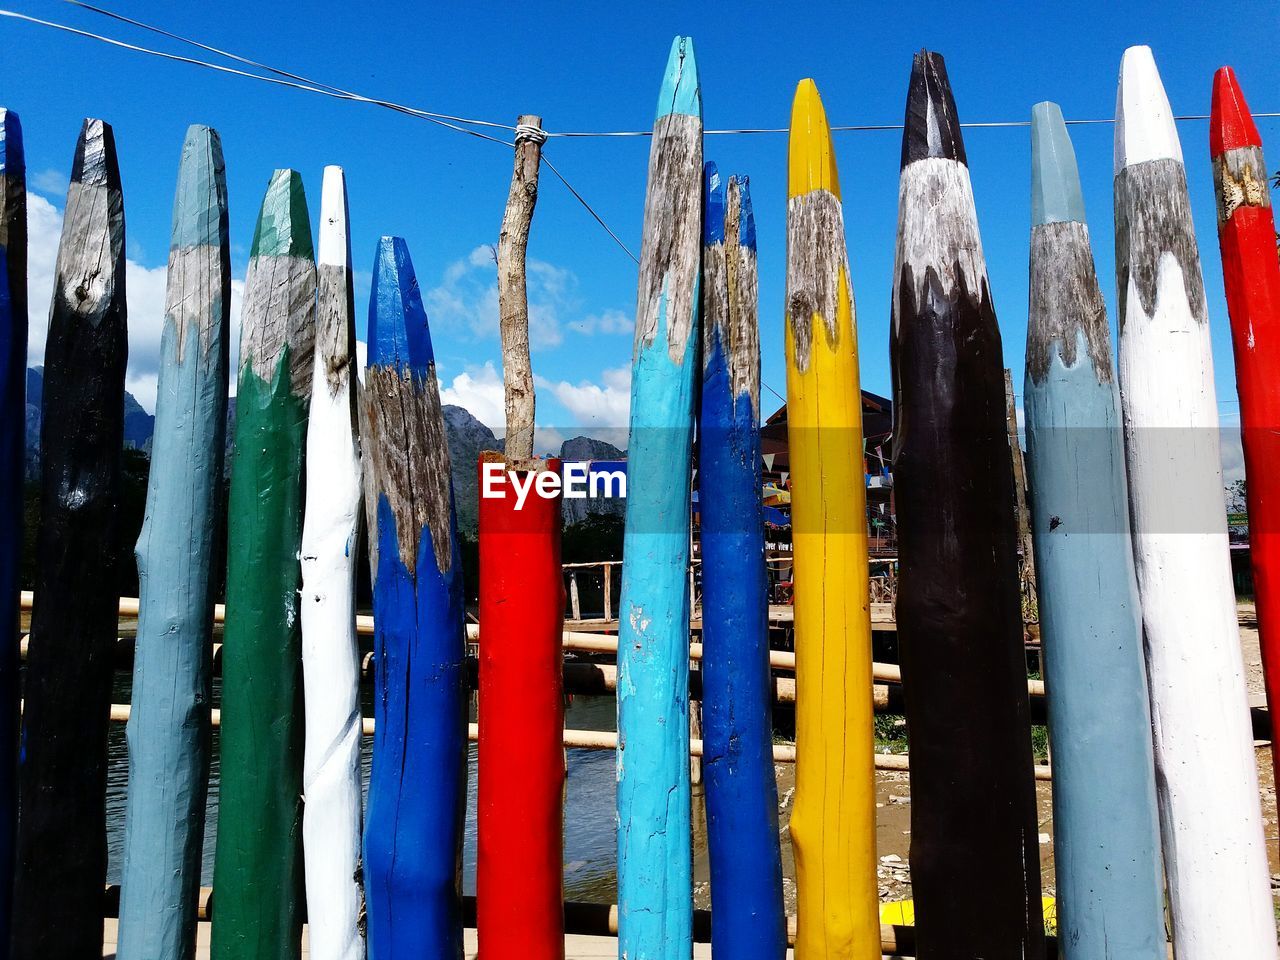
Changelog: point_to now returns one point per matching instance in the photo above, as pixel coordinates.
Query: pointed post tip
(95, 163)
(931, 127)
(746, 216)
(11, 153)
(1231, 124)
(1055, 179)
(284, 224)
(713, 204)
(1144, 120)
(811, 158)
(335, 249)
(399, 335)
(200, 205)
(680, 92)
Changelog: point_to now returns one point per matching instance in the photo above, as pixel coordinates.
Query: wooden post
(513, 301)
(520, 797)
(1025, 544)
(833, 823)
(608, 592)
(655, 867)
(62, 838)
(737, 696)
(1203, 744)
(575, 607)
(172, 665)
(258, 862)
(975, 861)
(13, 383)
(332, 816)
(1107, 842)
(417, 793)
(1251, 275)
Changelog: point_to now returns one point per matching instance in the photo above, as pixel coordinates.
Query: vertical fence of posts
(169, 731)
(1106, 832)
(13, 421)
(1204, 758)
(62, 832)
(975, 857)
(258, 860)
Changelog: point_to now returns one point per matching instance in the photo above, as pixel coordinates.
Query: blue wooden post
(169, 723)
(654, 855)
(1110, 890)
(13, 422)
(417, 792)
(747, 919)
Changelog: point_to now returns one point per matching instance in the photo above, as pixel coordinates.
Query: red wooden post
(519, 805)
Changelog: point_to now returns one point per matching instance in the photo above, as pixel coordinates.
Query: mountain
(467, 438)
(138, 424)
(589, 448)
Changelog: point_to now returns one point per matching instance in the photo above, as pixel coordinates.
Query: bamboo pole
(417, 792)
(1204, 758)
(654, 848)
(833, 823)
(1106, 830)
(1251, 275)
(258, 860)
(13, 381)
(172, 667)
(975, 861)
(61, 843)
(332, 814)
(737, 699)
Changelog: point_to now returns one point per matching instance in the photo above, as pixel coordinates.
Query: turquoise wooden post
(1110, 886)
(169, 723)
(654, 855)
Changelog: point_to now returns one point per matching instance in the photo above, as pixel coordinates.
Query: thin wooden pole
(975, 861)
(417, 792)
(172, 666)
(1107, 849)
(833, 823)
(1251, 275)
(575, 606)
(655, 867)
(1025, 543)
(258, 860)
(520, 790)
(13, 381)
(513, 300)
(1203, 744)
(332, 815)
(62, 836)
(737, 701)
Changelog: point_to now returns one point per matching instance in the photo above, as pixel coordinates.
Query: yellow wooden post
(833, 823)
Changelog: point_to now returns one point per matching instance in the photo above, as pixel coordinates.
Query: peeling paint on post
(1206, 774)
(1106, 831)
(258, 862)
(1251, 275)
(417, 791)
(833, 825)
(331, 817)
(62, 837)
(975, 853)
(747, 919)
(13, 382)
(655, 908)
(169, 730)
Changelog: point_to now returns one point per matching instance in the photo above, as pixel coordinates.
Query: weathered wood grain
(747, 917)
(13, 381)
(332, 815)
(513, 300)
(833, 821)
(975, 859)
(417, 791)
(169, 732)
(258, 860)
(1206, 776)
(1251, 275)
(654, 845)
(61, 858)
(1106, 829)
(520, 788)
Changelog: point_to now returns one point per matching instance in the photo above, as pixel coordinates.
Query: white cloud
(144, 292)
(599, 410)
(479, 390)
(53, 182)
(608, 321)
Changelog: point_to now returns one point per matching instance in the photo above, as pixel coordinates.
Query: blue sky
(595, 67)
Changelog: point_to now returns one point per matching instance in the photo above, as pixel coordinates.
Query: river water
(590, 844)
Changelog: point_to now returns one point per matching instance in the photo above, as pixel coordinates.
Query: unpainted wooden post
(574, 605)
(608, 592)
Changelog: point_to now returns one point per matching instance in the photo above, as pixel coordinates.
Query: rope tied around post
(530, 133)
